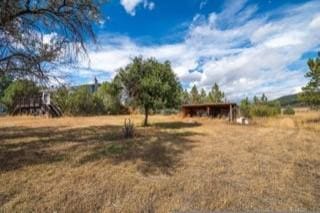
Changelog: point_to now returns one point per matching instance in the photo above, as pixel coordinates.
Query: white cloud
(247, 56)
(130, 5)
(203, 3)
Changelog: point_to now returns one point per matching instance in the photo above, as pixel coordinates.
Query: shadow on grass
(313, 120)
(176, 125)
(152, 150)
(21, 146)
(155, 153)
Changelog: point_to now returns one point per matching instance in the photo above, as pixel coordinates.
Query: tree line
(145, 85)
(149, 86)
(215, 95)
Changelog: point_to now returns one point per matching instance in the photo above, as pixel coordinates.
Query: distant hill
(290, 100)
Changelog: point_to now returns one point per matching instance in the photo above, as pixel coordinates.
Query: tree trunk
(146, 113)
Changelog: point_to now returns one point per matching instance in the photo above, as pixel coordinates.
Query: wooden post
(231, 114)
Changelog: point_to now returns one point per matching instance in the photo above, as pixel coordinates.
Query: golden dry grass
(84, 165)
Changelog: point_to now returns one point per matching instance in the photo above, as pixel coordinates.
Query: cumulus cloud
(248, 55)
(130, 5)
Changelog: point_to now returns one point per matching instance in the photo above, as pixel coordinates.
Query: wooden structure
(218, 110)
(36, 105)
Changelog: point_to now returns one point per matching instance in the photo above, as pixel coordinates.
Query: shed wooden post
(231, 113)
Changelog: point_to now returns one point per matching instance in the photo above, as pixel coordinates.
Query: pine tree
(194, 95)
(203, 96)
(216, 95)
(311, 92)
(185, 97)
(256, 100)
(264, 99)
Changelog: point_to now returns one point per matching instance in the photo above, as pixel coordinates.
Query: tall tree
(216, 95)
(150, 84)
(194, 95)
(37, 35)
(203, 96)
(264, 99)
(185, 97)
(256, 100)
(311, 92)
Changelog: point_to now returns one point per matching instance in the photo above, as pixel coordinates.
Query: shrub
(83, 102)
(288, 111)
(128, 129)
(245, 107)
(264, 110)
(61, 97)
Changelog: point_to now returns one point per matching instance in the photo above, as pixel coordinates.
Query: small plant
(288, 111)
(128, 129)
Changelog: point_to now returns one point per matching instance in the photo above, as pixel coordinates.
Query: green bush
(288, 111)
(61, 97)
(245, 108)
(83, 102)
(264, 110)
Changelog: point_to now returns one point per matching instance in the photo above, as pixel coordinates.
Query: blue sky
(248, 47)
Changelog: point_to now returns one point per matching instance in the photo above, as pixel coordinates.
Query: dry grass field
(83, 164)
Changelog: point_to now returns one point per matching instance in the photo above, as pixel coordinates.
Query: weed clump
(128, 129)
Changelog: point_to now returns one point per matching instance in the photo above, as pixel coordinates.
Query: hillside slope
(290, 100)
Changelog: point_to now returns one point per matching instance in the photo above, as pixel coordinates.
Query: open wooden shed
(217, 110)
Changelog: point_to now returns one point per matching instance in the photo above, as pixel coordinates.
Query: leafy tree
(216, 95)
(17, 89)
(37, 35)
(245, 107)
(5, 81)
(203, 96)
(311, 92)
(150, 84)
(110, 93)
(83, 102)
(194, 95)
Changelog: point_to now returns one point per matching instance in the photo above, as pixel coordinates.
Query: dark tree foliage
(83, 102)
(5, 81)
(150, 84)
(18, 89)
(311, 92)
(36, 35)
(110, 93)
(194, 95)
(216, 95)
